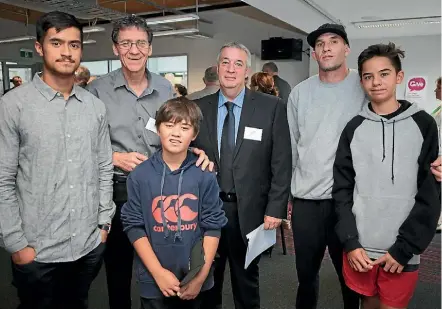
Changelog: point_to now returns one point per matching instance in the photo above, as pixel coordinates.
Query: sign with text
(416, 90)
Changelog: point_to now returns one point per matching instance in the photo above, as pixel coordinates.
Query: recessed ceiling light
(395, 23)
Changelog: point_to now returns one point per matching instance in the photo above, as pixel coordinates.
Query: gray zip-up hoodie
(387, 199)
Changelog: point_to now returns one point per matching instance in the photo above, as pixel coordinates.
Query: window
(97, 68)
(173, 68)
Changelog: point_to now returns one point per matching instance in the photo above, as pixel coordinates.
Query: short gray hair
(238, 46)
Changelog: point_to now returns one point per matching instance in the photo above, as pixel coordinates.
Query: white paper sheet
(259, 241)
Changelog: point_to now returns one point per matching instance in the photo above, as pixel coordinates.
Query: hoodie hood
(163, 169)
(410, 110)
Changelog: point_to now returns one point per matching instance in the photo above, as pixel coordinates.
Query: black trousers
(57, 285)
(118, 258)
(171, 303)
(245, 283)
(313, 224)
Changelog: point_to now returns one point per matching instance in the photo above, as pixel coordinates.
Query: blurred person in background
(82, 76)
(263, 82)
(180, 90)
(210, 79)
(282, 85)
(16, 81)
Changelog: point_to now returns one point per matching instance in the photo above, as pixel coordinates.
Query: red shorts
(394, 290)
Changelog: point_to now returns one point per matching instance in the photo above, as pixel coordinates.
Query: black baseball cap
(327, 28)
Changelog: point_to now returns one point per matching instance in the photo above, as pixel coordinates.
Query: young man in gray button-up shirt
(55, 175)
(132, 96)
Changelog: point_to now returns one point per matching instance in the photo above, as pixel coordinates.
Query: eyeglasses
(126, 45)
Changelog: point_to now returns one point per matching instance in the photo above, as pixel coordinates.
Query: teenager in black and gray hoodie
(387, 199)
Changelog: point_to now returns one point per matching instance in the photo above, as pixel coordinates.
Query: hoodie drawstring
(178, 232)
(383, 140)
(392, 150)
(163, 216)
(392, 157)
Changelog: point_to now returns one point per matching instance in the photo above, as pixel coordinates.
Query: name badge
(151, 125)
(253, 134)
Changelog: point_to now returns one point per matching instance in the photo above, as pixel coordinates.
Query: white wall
(422, 57)
(202, 53)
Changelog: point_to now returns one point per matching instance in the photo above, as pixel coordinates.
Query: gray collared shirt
(55, 171)
(129, 114)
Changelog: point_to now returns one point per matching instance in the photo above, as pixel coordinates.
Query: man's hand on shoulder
(203, 160)
(127, 161)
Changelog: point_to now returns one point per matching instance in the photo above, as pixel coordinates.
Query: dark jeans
(313, 224)
(118, 258)
(57, 285)
(245, 282)
(171, 303)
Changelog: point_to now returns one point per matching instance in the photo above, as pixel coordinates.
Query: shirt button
(69, 160)
(139, 136)
(139, 118)
(73, 235)
(73, 210)
(68, 135)
(71, 186)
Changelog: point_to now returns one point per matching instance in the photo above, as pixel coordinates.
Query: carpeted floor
(278, 283)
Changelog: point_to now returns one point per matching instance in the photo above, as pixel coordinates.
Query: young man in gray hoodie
(386, 197)
(318, 110)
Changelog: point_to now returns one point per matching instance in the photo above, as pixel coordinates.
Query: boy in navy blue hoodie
(171, 206)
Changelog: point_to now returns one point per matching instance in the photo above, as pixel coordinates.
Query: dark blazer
(261, 169)
(283, 87)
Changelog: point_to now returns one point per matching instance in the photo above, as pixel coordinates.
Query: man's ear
(38, 48)
(114, 48)
(347, 50)
(314, 55)
(149, 53)
(400, 77)
(248, 72)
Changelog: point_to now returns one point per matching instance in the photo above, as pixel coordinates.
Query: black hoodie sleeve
(417, 231)
(343, 188)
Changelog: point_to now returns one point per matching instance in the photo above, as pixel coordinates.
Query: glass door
(25, 72)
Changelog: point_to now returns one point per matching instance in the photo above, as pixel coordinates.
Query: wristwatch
(105, 227)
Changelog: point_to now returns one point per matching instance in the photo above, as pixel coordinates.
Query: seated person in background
(387, 200)
(171, 206)
(263, 82)
(180, 90)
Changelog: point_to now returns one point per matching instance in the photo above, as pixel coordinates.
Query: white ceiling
(302, 16)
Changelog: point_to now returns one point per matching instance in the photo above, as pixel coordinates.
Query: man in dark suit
(282, 85)
(246, 134)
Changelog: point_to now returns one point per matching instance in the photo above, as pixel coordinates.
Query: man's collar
(238, 101)
(50, 93)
